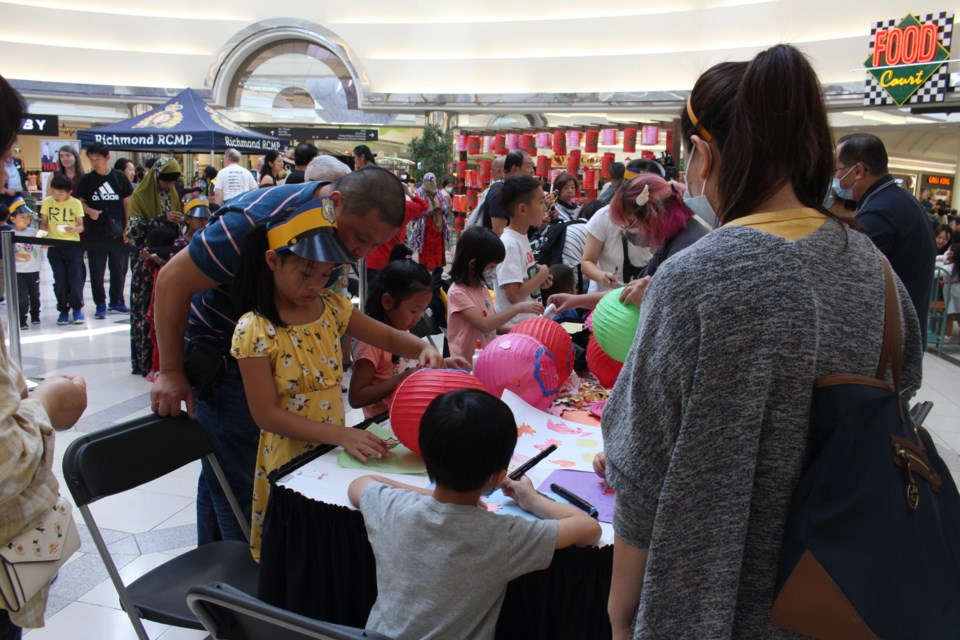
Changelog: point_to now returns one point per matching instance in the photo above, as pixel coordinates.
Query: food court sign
(907, 60)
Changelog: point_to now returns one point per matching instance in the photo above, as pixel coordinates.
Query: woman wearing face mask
(430, 234)
(707, 427)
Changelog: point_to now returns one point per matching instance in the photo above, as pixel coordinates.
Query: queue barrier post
(13, 300)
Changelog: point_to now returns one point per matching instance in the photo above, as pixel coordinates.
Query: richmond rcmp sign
(907, 60)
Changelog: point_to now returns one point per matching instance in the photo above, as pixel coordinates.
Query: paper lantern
(472, 198)
(630, 140)
(589, 179)
(486, 144)
(543, 166)
(669, 138)
(559, 143)
(573, 138)
(615, 324)
(554, 174)
(543, 140)
(521, 364)
(411, 397)
(555, 338)
(500, 144)
(473, 145)
(590, 139)
(462, 142)
(513, 141)
(609, 136)
(601, 365)
(485, 168)
(528, 143)
(605, 162)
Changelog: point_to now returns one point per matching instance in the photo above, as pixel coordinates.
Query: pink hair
(662, 217)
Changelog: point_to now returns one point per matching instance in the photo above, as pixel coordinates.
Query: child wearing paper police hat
(287, 344)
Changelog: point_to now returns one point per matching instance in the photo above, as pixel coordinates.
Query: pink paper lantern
(513, 141)
(521, 364)
(411, 397)
(543, 140)
(573, 138)
(555, 338)
(651, 134)
(608, 136)
(601, 365)
(462, 142)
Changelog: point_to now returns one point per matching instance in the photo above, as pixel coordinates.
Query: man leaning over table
(193, 301)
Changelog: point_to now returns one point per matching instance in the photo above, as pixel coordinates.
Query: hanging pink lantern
(543, 140)
(513, 141)
(555, 338)
(521, 364)
(651, 134)
(573, 138)
(608, 136)
(462, 142)
(415, 393)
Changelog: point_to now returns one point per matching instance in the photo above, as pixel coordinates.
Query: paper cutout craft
(580, 416)
(547, 443)
(562, 427)
(523, 429)
(400, 460)
(563, 463)
(588, 486)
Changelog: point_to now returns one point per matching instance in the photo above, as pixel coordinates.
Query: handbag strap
(892, 350)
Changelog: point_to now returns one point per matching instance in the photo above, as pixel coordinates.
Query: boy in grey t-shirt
(443, 561)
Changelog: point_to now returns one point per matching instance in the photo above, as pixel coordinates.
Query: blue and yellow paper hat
(311, 233)
(19, 206)
(196, 206)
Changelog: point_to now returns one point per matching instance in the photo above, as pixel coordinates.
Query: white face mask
(699, 204)
(449, 190)
(490, 276)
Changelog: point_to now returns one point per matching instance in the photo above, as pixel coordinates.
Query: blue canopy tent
(184, 124)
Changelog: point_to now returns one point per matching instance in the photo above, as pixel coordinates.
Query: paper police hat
(19, 206)
(196, 206)
(311, 233)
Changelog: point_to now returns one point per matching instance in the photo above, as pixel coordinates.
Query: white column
(956, 185)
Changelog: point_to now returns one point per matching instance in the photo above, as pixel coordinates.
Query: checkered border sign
(936, 88)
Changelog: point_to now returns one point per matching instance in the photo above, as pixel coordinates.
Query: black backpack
(547, 245)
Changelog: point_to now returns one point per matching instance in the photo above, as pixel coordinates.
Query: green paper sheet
(400, 460)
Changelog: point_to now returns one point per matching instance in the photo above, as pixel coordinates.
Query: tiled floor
(149, 524)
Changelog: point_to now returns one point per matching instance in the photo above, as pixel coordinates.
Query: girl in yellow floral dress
(288, 344)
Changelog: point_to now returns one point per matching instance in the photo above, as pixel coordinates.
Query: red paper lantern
(573, 162)
(603, 366)
(500, 144)
(471, 199)
(412, 396)
(485, 167)
(590, 139)
(605, 162)
(473, 145)
(528, 143)
(669, 143)
(555, 338)
(589, 179)
(461, 170)
(630, 140)
(559, 143)
(543, 166)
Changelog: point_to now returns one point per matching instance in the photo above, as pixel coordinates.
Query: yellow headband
(696, 123)
(316, 217)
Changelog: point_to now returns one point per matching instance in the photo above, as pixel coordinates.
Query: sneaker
(119, 307)
(78, 317)
(24, 326)
(101, 312)
(63, 318)
(35, 321)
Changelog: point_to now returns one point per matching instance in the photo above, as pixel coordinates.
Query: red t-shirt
(378, 258)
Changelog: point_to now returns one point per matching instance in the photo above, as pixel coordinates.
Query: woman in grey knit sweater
(706, 429)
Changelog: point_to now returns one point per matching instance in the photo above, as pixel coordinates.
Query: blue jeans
(234, 436)
(68, 277)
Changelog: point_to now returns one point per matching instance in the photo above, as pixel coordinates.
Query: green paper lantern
(615, 325)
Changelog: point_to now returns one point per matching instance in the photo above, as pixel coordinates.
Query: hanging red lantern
(630, 140)
(528, 143)
(473, 145)
(543, 166)
(462, 170)
(559, 143)
(590, 139)
(500, 144)
(485, 168)
(415, 393)
(573, 162)
(669, 142)
(589, 178)
(471, 199)
(605, 162)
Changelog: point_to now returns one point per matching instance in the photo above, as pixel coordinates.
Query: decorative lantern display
(559, 143)
(555, 338)
(521, 364)
(649, 155)
(528, 143)
(573, 138)
(554, 174)
(462, 170)
(473, 145)
(513, 140)
(485, 168)
(472, 180)
(573, 162)
(472, 197)
(459, 223)
(590, 179)
(460, 203)
(543, 166)
(615, 325)
(590, 139)
(413, 394)
(543, 140)
(608, 136)
(500, 144)
(601, 365)
(651, 134)
(487, 144)
(462, 142)
(669, 138)
(605, 162)
(629, 139)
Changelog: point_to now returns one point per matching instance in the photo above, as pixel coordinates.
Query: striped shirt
(215, 250)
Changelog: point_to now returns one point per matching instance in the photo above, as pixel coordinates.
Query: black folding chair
(230, 614)
(126, 456)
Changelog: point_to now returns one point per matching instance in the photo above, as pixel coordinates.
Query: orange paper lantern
(412, 396)
(554, 338)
